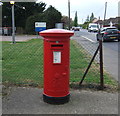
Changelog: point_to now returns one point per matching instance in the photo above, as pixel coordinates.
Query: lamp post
(13, 22)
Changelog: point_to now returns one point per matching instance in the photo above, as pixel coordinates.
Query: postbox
(56, 65)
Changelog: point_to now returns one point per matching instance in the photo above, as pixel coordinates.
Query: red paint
(56, 75)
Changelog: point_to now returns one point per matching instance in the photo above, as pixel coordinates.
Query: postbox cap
(56, 33)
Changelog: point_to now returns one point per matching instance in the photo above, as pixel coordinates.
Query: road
(110, 50)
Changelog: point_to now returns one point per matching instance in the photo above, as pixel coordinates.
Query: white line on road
(88, 39)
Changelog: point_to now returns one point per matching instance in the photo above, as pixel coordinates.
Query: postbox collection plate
(56, 57)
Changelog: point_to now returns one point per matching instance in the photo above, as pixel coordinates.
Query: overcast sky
(85, 8)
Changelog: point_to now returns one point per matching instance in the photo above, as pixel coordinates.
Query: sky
(85, 8)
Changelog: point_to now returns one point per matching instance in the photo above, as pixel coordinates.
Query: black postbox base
(56, 100)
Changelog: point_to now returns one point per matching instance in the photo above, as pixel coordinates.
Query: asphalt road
(110, 50)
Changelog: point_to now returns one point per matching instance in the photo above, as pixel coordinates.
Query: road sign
(40, 26)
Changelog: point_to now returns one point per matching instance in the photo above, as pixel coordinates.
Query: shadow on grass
(95, 87)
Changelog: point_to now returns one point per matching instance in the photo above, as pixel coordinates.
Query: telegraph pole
(69, 14)
(105, 12)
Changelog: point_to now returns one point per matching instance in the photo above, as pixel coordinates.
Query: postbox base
(56, 100)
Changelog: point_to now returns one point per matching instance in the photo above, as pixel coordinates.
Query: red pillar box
(56, 65)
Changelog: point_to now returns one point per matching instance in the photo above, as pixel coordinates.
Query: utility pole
(105, 12)
(69, 14)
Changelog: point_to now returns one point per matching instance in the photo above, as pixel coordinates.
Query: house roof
(107, 21)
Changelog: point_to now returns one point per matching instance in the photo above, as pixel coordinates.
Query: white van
(93, 27)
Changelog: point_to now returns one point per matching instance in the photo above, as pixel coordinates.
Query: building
(109, 22)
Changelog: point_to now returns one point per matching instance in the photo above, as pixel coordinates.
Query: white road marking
(88, 39)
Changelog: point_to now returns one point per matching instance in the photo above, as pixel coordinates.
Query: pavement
(23, 100)
(18, 38)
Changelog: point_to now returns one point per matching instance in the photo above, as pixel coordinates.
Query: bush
(30, 23)
(50, 16)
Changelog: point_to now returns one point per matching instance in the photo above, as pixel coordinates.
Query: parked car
(76, 28)
(108, 33)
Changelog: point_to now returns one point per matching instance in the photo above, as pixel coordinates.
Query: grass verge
(23, 65)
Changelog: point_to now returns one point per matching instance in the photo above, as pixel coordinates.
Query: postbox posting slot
(57, 45)
(56, 48)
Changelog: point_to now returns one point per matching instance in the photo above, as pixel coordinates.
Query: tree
(65, 21)
(30, 23)
(86, 23)
(22, 11)
(76, 20)
(52, 16)
(92, 17)
(88, 19)
(6, 14)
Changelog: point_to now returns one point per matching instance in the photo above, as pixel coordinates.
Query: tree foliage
(88, 19)
(6, 14)
(76, 20)
(52, 16)
(30, 23)
(22, 11)
(92, 17)
(65, 21)
(27, 13)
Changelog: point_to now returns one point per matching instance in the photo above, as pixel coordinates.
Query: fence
(23, 63)
(86, 51)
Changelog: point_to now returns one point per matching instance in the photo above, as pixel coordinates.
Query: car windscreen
(105, 29)
(108, 30)
(95, 26)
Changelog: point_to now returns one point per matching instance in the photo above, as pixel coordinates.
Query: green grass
(79, 62)
(23, 64)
